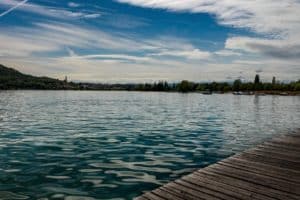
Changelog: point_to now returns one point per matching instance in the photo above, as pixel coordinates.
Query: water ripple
(115, 145)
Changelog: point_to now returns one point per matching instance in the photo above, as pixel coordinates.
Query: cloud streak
(13, 8)
(59, 13)
(274, 48)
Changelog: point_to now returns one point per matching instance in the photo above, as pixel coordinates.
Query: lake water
(114, 145)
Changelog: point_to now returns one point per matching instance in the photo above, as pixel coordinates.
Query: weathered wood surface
(268, 171)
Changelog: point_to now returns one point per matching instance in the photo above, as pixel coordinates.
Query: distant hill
(13, 79)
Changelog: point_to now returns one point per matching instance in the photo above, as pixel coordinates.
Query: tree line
(13, 79)
(237, 85)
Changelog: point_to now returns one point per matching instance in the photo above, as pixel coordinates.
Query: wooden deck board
(269, 171)
(264, 169)
(257, 179)
(274, 175)
(237, 192)
(280, 146)
(269, 161)
(201, 188)
(282, 152)
(251, 187)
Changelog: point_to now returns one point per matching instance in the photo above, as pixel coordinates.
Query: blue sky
(151, 40)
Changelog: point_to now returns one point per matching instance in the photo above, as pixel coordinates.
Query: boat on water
(207, 92)
(237, 93)
(283, 94)
(260, 94)
(243, 93)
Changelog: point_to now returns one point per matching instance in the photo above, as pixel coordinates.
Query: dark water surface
(113, 145)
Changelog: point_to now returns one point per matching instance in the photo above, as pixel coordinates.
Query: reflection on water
(114, 145)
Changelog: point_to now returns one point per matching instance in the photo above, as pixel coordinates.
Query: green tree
(257, 84)
(184, 86)
(297, 86)
(237, 85)
(273, 80)
(256, 80)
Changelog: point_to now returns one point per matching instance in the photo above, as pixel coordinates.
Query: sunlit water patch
(114, 145)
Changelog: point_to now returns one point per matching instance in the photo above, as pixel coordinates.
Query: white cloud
(126, 68)
(17, 46)
(248, 62)
(195, 54)
(13, 8)
(226, 52)
(60, 13)
(28, 49)
(264, 16)
(177, 47)
(73, 4)
(277, 20)
(92, 16)
(119, 57)
(275, 48)
(124, 21)
(51, 37)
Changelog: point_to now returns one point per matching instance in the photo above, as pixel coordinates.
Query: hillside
(13, 79)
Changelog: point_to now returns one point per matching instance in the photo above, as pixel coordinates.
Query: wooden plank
(287, 140)
(269, 171)
(172, 188)
(257, 179)
(200, 188)
(287, 159)
(270, 161)
(179, 194)
(286, 143)
(141, 198)
(229, 190)
(151, 196)
(261, 171)
(266, 169)
(252, 187)
(189, 193)
(280, 146)
(283, 152)
(294, 155)
(287, 137)
(166, 194)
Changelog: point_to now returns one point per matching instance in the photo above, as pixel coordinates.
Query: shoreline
(241, 93)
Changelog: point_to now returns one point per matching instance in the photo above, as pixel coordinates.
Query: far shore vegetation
(11, 79)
